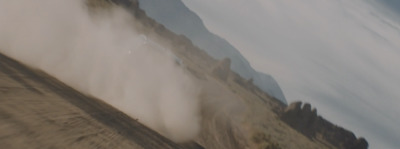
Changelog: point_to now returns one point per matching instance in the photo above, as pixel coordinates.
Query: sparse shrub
(264, 142)
(259, 138)
(272, 145)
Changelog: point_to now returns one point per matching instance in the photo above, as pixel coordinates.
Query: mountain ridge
(178, 18)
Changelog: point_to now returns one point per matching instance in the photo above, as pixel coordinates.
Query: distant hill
(175, 16)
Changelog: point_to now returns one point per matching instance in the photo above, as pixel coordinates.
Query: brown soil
(37, 111)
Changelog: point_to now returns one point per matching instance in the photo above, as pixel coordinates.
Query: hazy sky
(342, 56)
(392, 4)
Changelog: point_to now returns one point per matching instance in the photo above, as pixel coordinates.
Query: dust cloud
(103, 56)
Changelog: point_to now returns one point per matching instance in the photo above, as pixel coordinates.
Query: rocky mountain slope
(306, 120)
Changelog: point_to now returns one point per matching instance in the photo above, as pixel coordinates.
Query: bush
(265, 142)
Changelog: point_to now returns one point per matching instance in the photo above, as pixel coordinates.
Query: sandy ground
(37, 111)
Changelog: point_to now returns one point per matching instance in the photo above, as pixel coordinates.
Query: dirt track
(38, 111)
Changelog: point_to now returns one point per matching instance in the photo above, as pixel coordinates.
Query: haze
(341, 56)
(104, 56)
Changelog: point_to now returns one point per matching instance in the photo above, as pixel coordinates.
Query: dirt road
(38, 111)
